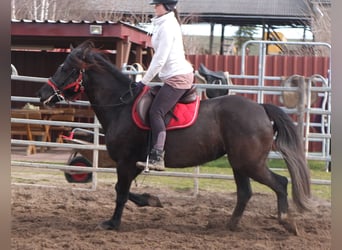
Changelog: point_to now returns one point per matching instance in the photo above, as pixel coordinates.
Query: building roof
(249, 12)
(235, 12)
(60, 34)
(296, 13)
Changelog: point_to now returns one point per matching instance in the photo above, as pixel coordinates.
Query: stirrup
(143, 165)
(152, 163)
(158, 166)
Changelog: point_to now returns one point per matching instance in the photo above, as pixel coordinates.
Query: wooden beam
(123, 48)
(211, 40)
(139, 54)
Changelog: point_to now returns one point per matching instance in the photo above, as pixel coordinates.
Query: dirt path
(50, 218)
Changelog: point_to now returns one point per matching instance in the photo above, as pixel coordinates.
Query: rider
(173, 69)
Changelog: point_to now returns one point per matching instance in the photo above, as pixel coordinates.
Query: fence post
(301, 106)
(95, 153)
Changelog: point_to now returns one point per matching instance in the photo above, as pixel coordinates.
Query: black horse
(232, 125)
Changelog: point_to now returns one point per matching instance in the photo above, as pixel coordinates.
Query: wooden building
(127, 42)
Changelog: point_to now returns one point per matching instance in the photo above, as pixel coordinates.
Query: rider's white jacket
(169, 57)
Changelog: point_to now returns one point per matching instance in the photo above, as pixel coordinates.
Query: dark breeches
(164, 101)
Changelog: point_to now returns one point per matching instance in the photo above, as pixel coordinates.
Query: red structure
(127, 42)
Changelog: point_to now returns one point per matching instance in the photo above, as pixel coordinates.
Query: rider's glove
(139, 85)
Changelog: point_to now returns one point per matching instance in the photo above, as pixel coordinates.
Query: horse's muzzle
(49, 96)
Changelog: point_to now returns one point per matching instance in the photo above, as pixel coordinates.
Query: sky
(204, 29)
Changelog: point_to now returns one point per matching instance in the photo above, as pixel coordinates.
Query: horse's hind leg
(244, 193)
(283, 206)
(278, 184)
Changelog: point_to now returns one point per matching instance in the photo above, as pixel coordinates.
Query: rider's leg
(164, 101)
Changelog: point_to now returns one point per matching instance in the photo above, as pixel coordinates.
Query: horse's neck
(105, 112)
(105, 99)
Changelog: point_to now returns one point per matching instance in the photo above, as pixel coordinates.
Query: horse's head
(66, 83)
(85, 64)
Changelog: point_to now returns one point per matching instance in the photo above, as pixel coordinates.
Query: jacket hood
(163, 18)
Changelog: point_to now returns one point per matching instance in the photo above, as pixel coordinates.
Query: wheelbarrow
(82, 158)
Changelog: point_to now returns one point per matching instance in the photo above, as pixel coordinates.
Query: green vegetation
(222, 167)
(181, 184)
(244, 34)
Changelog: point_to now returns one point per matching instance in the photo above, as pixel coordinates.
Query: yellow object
(274, 49)
(30, 106)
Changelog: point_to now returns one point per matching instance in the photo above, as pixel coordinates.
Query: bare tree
(320, 21)
(320, 26)
(13, 12)
(89, 10)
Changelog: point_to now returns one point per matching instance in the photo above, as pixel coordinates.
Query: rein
(131, 97)
(78, 87)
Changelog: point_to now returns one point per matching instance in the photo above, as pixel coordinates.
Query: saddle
(214, 77)
(182, 115)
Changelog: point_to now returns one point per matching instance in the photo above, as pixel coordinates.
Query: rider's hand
(139, 85)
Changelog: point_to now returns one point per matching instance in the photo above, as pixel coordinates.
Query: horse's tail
(289, 143)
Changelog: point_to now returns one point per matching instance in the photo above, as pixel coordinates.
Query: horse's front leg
(125, 175)
(144, 199)
(115, 221)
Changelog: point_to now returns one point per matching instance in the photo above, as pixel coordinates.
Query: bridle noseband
(76, 85)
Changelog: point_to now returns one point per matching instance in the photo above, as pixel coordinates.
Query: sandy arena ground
(50, 218)
(66, 218)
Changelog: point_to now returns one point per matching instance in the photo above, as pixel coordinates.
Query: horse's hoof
(288, 223)
(153, 201)
(107, 225)
(232, 225)
(290, 226)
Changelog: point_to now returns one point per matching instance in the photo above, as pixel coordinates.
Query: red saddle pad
(185, 114)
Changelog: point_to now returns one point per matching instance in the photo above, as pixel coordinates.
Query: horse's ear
(71, 46)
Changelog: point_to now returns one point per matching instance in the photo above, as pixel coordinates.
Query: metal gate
(303, 110)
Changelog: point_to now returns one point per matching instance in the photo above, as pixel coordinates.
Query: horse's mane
(87, 56)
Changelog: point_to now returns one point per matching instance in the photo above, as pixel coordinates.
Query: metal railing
(305, 108)
(264, 90)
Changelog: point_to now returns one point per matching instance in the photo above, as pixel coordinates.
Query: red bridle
(77, 86)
